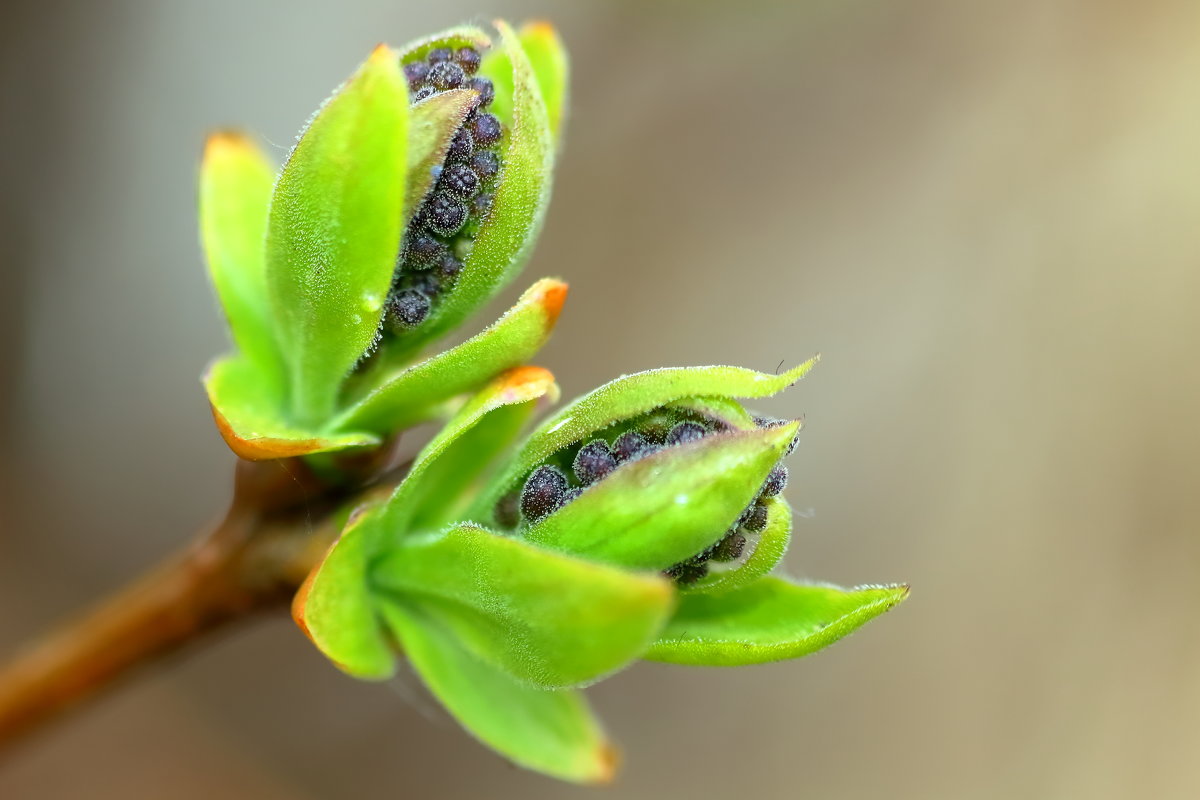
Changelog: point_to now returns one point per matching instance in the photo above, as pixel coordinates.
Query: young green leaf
(517, 386)
(248, 411)
(771, 620)
(549, 60)
(667, 506)
(551, 731)
(410, 396)
(334, 231)
(335, 610)
(235, 188)
(546, 618)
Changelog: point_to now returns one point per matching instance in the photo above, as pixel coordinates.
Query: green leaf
(518, 386)
(507, 234)
(334, 232)
(235, 190)
(432, 124)
(543, 617)
(667, 506)
(629, 396)
(449, 479)
(770, 620)
(335, 610)
(249, 414)
(549, 60)
(764, 552)
(550, 731)
(411, 395)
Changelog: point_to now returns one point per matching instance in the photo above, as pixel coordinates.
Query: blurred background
(985, 216)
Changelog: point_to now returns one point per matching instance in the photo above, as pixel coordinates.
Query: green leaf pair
(304, 262)
(505, 626)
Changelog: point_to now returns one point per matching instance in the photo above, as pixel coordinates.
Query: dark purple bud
(468, 58)
(631, 445)
(593, 461)
(685, 432)
(409, 308)
(776, 482)
(508, 509)
(444, 214)
(486, 128)
(755, 518)
(774, 422)
(424, 251)
(449, 268)
(439, 55)
(686, 572)
(423, 93)
(461, 181)
(427, 283)
(446, 75)
(729, 548)
(544, 492)
(416, 72)
(486, 89)
(461, 146)
(486, 164)
(482, 204)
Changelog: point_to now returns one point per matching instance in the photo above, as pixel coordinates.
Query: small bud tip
(553, 295)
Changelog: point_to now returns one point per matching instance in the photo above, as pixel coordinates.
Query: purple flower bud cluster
(444, 226)
(553, 485)
(566, 474)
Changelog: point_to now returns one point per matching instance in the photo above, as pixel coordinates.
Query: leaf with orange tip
(416, 392)
(249, 419)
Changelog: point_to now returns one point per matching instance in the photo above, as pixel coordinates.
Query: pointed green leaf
(667, 506)
(629, 396)
(546, 618)
(517, 386)
(335, 610)
(770, 620)
(410, 396)
(764, 551)
(549, 60)
(334, 232)
(551, 731)
(248, 412)
(235, 190)
(450, 479)
(506, 237)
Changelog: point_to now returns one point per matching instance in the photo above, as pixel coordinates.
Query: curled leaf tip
(525, 383)
(608, 763)
(552, 294)
(225, 142)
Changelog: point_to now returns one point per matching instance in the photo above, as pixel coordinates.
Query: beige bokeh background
(984, 215)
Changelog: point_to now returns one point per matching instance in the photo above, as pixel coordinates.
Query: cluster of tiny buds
(443, 228)
(549, 487)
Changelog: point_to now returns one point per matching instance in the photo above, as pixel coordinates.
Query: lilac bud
(486, 128)
(544, 492)
(486, 164)
(469, 59)
(776, 481)
(462, 146)
(461, 181)
(755, 518)
(593, 461)
(685, 432)
(444, 214)
(730, 548)
(486, 89)
(439, 55)
(409, 308)
(631, 445)
(446, 75)
(416, 73)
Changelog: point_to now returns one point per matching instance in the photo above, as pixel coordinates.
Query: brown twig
(276, 529)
